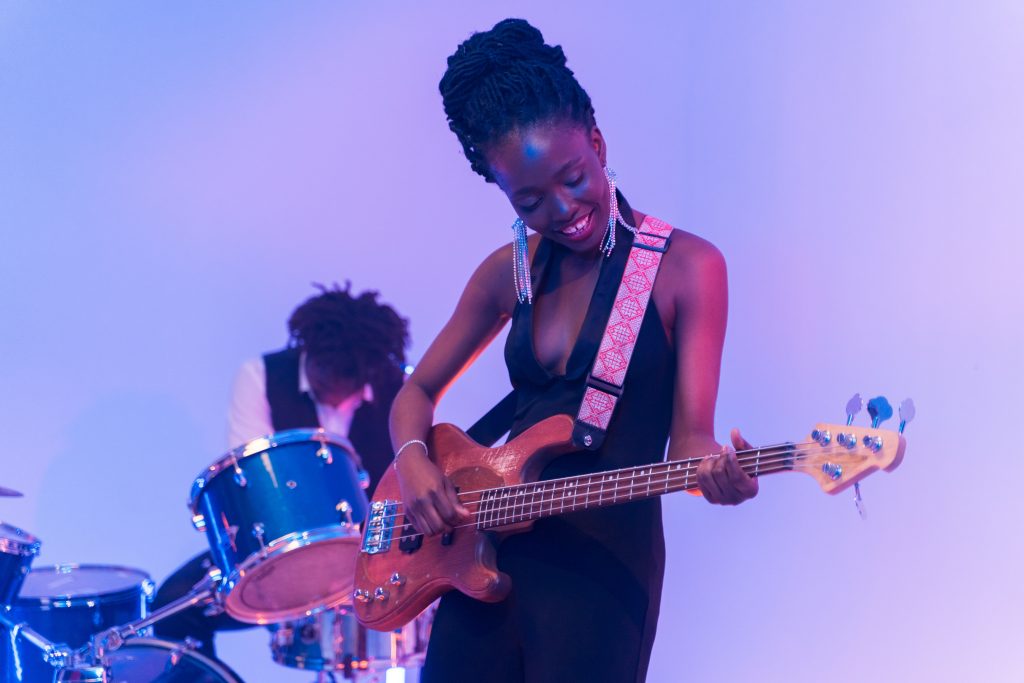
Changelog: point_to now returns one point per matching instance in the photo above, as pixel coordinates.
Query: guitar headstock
(838, 456)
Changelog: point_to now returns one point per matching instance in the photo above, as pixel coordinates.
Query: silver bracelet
(410, 442)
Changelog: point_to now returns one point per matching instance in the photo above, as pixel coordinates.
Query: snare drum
(281, 515)
(66, 604)
(334, 640)
(17, 550)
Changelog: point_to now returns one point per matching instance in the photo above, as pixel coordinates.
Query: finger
(705, 479)
(720, 474)
(462, 512)
(738, 442)
(427, 521)
(445, 510)
(742, 483)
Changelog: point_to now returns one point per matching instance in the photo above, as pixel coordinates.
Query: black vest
(293, 409)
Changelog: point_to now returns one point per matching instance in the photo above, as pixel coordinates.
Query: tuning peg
(907, 413)
(879, 410)
(853, 407)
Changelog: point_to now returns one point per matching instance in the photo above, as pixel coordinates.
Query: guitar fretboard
(507, 505)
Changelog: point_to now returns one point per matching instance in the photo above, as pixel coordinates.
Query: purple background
(173, 177)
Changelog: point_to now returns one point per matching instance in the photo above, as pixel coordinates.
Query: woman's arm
(483, 309)
(700, 294)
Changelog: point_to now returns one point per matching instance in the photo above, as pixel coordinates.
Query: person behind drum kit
(586, 586)
(341, 369)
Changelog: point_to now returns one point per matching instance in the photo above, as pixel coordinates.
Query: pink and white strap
(607, 376)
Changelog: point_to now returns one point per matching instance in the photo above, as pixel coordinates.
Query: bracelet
(410, 442)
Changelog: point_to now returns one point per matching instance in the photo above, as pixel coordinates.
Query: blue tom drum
(17, 550)
(282, 515)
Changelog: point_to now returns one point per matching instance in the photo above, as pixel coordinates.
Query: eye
(575, 181)
(526, 208)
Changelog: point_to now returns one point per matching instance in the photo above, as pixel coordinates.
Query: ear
(597, 141)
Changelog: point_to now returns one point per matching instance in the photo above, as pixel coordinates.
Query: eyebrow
(563, 169)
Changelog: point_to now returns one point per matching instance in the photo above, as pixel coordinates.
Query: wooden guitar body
(395, 584)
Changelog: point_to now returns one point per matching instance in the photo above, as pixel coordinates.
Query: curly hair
(356, 338)
(504, 79)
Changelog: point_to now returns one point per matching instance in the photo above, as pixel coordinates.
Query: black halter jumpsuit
(586, 586)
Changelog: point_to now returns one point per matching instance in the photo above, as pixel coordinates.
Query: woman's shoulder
(493, 277)
(695, 265)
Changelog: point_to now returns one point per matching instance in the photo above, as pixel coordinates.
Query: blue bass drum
(282, 515)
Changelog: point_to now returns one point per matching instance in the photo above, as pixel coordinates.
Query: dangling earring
(521, 263)
(608, 245)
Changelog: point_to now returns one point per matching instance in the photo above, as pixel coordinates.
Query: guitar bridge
(380, 527)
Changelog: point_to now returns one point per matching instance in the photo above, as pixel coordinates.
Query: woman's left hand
(721, 479)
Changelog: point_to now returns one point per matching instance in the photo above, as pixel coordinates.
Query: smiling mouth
(578, 228)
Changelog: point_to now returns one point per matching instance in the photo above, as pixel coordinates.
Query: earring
(608, 245)
(521, 263)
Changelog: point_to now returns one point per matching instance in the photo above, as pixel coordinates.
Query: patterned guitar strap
(608, 374)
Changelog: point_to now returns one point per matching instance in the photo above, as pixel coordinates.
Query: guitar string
(771, 465)
(595, 496)
(759, 455)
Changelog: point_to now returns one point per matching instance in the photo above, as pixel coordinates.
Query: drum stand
(88, 664)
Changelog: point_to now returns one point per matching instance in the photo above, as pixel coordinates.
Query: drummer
(341, 369)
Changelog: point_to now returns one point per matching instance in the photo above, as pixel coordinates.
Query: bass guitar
(399, 571)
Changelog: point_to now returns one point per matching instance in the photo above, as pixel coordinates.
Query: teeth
(576, 227)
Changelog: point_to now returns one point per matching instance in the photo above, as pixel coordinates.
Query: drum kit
(281, 515)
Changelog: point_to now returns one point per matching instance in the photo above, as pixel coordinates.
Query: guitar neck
(508, 505)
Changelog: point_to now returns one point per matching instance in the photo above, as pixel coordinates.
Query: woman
(585, 586)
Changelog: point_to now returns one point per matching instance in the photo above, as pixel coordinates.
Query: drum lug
(324, 453)
(258, 530)
(346, 512)
(199, 522)
(239, 475)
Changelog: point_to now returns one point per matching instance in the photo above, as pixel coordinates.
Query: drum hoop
(262, 445)
(218, 667)
(27, 545)
(282, 546)
(144, 587)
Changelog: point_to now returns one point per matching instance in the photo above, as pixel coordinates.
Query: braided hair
(355, 338)
(504, 79)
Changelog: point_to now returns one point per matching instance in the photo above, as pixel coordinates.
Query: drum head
(302, 581)
(148, 660)
(85, 582)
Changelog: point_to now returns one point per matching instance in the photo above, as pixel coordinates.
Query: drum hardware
(54, 654)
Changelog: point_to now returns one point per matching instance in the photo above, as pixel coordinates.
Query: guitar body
(393, 585)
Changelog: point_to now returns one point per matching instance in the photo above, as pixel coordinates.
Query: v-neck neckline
(588, 338)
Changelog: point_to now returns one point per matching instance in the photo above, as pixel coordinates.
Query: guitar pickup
(410, 539)
(380, 527)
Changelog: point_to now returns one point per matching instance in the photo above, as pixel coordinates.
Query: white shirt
(249, 410)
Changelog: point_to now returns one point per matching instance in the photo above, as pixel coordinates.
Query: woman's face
(553, 174)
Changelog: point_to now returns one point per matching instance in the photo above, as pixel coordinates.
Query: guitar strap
(608, 374)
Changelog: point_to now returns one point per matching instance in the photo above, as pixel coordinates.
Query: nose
(561, 206)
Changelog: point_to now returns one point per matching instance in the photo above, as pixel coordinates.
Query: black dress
(586, 586)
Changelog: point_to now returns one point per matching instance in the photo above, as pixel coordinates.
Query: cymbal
(9, 493)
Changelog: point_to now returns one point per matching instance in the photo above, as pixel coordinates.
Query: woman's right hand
(431, 502)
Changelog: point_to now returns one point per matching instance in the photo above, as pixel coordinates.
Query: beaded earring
(608, 244)
(521, 263)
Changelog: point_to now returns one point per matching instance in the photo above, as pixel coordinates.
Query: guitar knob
(397, 579)
(380, 595)
(361, 596)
